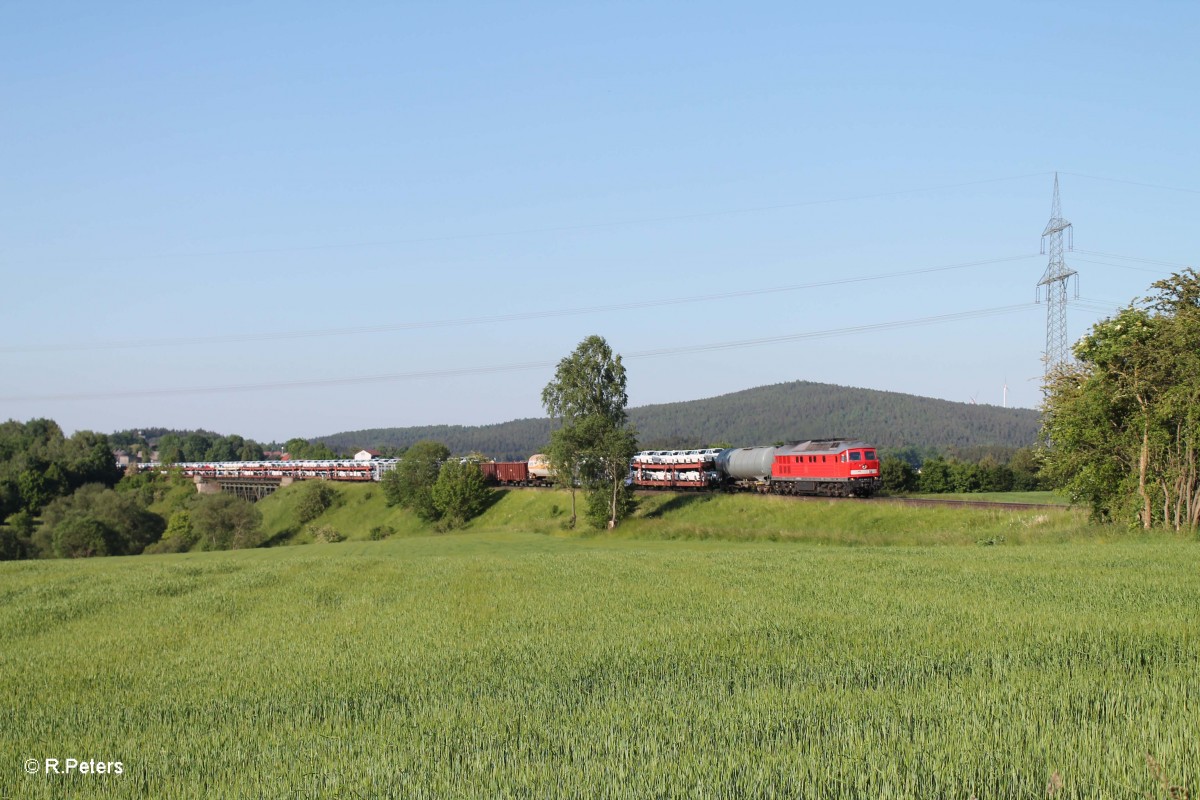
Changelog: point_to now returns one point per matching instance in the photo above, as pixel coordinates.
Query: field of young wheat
(522, 665)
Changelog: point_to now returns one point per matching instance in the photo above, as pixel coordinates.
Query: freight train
(828, 467)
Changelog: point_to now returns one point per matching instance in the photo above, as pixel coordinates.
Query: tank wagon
(828, 467)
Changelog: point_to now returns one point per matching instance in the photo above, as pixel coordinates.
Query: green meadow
(712, 647)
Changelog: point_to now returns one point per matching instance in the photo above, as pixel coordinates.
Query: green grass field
(493, 663)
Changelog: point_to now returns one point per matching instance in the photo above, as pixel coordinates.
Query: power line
(530, 365)
(1139, 259)
(487, 320)
(1097, 305)
(1134, 183)
(1119, 266)
(872, 327)
(564, 228)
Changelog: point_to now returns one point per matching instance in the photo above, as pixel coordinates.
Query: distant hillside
(767, 414)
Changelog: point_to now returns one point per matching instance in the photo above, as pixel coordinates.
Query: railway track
(927, 501)
(999, 505)
(907, 501)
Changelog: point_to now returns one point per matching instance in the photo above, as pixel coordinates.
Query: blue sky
(189, 189)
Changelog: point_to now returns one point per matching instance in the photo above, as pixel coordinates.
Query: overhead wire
(1139, 259)
(571, 228)
(1153, 271)
(521, 366)
(487, 320)
(1132, 183)
(1092, 304)
(609, 224)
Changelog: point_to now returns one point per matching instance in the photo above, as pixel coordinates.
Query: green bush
(179, 536)
(599, 504)
(460, 494)
(316, 498)
(129, 526)
(11, 546)
(935, 476)
(327, 534)
(381, 532)
(173, 544)
(225, 522)
(410, 484)
(898, 475)
(80, 536)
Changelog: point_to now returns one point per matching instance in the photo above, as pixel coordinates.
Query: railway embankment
(362, 514)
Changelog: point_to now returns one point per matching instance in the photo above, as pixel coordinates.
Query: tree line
(1122, 432)
(177, 446)
(66, 497)
(174, 446)
(1020, 472)
(38, 463)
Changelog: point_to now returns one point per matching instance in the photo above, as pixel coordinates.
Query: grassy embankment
(493, 664)
(740, 517)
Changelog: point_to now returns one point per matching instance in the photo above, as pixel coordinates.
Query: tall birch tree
(592, 441)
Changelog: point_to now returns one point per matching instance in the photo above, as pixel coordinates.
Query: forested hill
(763, 415)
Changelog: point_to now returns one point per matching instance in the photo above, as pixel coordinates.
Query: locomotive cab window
(856, 455)
(870, 455)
